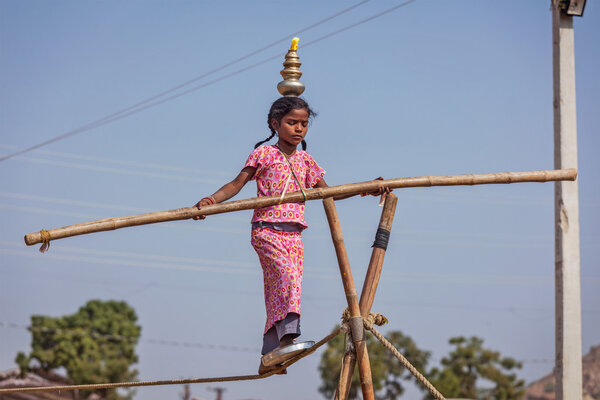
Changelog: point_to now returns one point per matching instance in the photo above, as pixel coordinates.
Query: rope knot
(375, 318)
(372, 319)
(45, 235)
(346, 316)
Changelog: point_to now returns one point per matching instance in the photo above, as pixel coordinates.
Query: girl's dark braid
(280, 108)
(267, 139)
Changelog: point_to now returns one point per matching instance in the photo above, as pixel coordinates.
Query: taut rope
(179, 381)
(369, 322)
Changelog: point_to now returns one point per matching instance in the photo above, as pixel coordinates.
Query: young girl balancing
(276, 230)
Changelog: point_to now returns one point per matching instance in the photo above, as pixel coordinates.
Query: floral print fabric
(281, 255)
(273, 174)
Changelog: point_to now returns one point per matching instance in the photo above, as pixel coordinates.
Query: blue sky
(432, 88)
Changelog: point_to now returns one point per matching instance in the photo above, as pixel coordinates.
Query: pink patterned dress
(281, 253)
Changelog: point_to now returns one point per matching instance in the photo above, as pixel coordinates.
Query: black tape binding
(382, 237)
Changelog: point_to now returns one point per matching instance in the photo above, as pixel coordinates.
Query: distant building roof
(12, 379)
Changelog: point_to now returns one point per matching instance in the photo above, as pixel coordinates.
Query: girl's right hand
(381, 191)
(204, 202)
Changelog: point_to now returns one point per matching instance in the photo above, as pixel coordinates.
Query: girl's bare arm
(232, 188)
(228, 190)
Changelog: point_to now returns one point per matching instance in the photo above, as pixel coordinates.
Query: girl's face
(293, 126)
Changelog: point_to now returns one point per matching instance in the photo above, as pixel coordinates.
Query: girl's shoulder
(303, 154)
(263, 151)
(264, 156)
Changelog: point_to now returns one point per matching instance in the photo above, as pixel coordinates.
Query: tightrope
(179, 381)
(369, 322)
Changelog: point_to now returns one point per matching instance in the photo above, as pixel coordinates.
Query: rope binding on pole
(45, 235)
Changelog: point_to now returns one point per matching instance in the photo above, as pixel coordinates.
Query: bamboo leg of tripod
(360, 344)
(368, 291)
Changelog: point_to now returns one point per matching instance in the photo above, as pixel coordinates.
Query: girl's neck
(286, 148)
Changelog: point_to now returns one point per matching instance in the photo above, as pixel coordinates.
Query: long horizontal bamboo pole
(110, 224)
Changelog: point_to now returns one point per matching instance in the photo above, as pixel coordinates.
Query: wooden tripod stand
(359, 308)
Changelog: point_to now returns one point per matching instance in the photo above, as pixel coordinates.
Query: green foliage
(468, 364)
(387, 372)
(23, 362)
(469, 371)
(94, 345)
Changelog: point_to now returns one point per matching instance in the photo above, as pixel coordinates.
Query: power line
(129, 163)
(354, 25)
(146, 104)
(141, 263)
(110, 117)
(329, 300)
(505, 199)
(143, 260)
(470, 198)
(164, 342)
(513, 242)
(69, 202)
(178, 343)
(517, 241)
(445, 197)
(120, 171)
(149, 257)
(479, 235)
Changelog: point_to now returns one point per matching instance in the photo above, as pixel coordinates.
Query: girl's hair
(280, 108)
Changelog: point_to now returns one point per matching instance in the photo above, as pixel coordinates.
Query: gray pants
(290, 325)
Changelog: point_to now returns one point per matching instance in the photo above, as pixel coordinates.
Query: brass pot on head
(290, 86)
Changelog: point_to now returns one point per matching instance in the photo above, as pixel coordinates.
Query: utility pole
(219, 391)
(568, 370)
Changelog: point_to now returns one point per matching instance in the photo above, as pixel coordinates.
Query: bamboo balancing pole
(109, 224)
(369, 287)
(356, 321)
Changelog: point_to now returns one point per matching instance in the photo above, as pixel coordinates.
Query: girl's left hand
(204, 202)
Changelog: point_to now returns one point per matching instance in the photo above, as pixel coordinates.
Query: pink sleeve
(314, 172)
(257, 159)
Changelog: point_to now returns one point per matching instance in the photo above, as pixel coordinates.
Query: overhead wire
(109, 118)
(508, 199)
(354, 25)
(307, 296)
(149, 103)
(137, 263)
(120, 171)
(518, 241)
(178, 343)
(128, 163)
(124, 208)
(523, 241)
(192, 264)
(163, 342)
(146, 256)
(116, 385)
